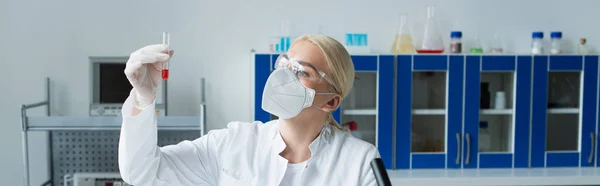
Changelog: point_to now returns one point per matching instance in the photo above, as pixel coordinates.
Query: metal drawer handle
(457, 148)
(468, 149)
(591, 159)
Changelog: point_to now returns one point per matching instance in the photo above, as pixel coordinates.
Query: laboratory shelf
(496, 111)
(70, 134)
(429, 111)
(366, 112)
(563, 111)
(45, 123)
(518, 176)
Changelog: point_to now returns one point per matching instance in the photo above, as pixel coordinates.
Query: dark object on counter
(484, 99)
(380, 173)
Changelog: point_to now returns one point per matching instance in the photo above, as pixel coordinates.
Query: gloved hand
(143, 70)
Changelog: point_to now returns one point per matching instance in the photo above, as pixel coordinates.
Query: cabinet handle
(591, 159)
(457, 148)
(468, 149)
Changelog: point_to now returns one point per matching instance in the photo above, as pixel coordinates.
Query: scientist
(305, 146)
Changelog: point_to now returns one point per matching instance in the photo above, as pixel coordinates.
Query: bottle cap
(556, 35)
(455, 34)
(536, 35)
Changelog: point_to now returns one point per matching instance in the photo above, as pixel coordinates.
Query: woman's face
(310, 53)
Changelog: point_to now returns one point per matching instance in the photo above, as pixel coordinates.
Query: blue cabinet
(369, 105)
(471, 111)
(429, 111)
(497, 129)
(564, 111)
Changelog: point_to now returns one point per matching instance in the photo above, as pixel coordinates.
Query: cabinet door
(368, 106)
(564, 111)
(263, 65)
(429, 111)
(497, 94)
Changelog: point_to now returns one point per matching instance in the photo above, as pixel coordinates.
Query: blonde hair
(339, 63)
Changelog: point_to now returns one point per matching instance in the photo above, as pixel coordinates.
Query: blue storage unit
(369, 103)
(564, 124)
(447, 73)
(511, 75)
(441, 96)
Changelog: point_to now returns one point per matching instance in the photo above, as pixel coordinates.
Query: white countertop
(533, 176)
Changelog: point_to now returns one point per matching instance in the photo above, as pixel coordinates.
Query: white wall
(212, 39)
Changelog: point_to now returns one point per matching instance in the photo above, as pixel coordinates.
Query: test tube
(166, 39)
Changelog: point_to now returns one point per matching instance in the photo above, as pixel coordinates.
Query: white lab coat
(241, 154)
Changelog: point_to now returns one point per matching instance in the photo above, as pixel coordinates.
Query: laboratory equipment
(500, 101)
(476, 47)
(537, 45)
(380, 172)
(94, 179)
(582, 48)
(432, 40)
(166, 40)
(556, 39)
(108, 100)
(496, 45)
(484, 99)
(282, 42)
(357, 43)
(456, 42)
(403, 43)
(484, 137)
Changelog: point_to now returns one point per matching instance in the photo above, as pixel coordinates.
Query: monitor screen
(114, 86)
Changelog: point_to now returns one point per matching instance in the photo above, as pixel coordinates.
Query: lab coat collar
(324, 138)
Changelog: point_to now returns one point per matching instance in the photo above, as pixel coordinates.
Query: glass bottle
(403, 43)
(556, 38)
(537, 46)
(456, 42)
(484, 99)
(432, 41)
(582, 48)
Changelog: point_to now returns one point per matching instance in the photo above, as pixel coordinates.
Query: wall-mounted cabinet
(565, 111)
(470, 111)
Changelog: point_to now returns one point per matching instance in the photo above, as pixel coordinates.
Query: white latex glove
(143, 70)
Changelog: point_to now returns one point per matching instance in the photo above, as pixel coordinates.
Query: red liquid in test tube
(166, 39)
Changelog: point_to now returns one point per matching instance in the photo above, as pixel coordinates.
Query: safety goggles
(303, 70)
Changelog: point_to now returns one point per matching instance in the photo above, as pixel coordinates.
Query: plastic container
(432, 41)
(556, 40)
(455, 42)
(500, 101)
(484, 137)
(403, 43)
(537, 45)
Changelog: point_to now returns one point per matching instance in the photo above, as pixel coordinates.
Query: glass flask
(432, 41)
(403, 43)
(496, 45)
(476, 48)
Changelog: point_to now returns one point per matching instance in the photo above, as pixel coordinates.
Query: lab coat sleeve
(368, 176)
(142, 162)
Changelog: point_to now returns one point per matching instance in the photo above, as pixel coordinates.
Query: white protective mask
(285, 96)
